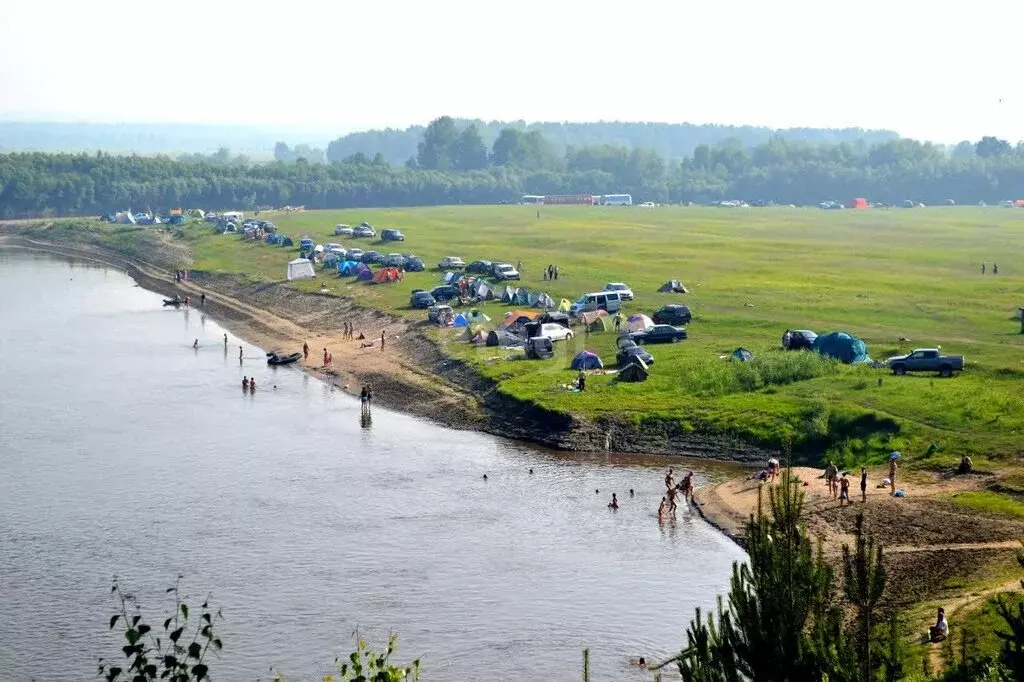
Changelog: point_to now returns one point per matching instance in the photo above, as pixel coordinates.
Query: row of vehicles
(366, 230)
(502, 271)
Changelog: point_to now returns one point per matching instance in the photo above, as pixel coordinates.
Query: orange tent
(387, 275)
(859, 202)
(512, 317)
(588, 318)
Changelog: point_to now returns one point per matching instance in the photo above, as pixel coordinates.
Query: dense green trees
(452, 165)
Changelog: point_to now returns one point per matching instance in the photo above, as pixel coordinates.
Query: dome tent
(843, 347)
(742, 354)
(586, 359)
(639, 322)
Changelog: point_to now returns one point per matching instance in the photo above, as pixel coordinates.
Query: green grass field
(878, 274)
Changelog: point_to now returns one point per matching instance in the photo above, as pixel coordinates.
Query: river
(124, 451)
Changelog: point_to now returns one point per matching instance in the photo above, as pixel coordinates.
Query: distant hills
(670, 140)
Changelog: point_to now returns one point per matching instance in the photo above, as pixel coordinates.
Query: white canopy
(300, 268)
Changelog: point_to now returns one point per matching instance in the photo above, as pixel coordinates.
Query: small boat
(275, 359)
(173, 301)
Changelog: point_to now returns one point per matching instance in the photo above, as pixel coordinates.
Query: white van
(610, 301)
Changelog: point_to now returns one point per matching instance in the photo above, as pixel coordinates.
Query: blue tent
(461, 321)
(587, 359)
(347, 268)
(365, 275)
(272, 239)
(286, 241)
(742, 354)
(843, 347)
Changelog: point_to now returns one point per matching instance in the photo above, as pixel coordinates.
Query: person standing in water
(670, 479)
(661, 509)
(614, 504)
(225, 344)
(195, 344)
(202, 300)
(252, 384)
(239, 355)
(686, 487)
(245, 383)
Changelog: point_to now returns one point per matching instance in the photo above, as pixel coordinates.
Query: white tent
(300, 268)
(639, 322)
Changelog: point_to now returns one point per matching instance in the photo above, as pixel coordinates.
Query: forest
(454, 164)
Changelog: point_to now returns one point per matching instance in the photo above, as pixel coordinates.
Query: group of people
(248, 384)
(551, 273)
(348, 332)
(995, 269)
(366, 398)
(839, 483)
(684, 488)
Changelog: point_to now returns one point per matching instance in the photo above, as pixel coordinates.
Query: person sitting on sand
(938, 632)
(614, 504)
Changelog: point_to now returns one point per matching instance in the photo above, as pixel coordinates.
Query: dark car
(480, 267)
(371, 257)
(414, 264)
(628, 352)
(659, 333)
(422, 299)
(673, 314)
(445, 292)
(392, 236)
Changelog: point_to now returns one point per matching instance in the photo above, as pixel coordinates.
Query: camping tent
(636, 370)
(477, 335)
(484, 291)
(477, 317)
(331, 259)
(503, 338)
(639, 322)
(347, 268)
(508, 296)
(587, 318)
(742, 354)
(286, 241)
(521, 297)
(300, 268)
(365, 275)
(673, 286)
(544, 301)
(587, 359)
(387, 275)
(564, 305)
(843, 347)
(461, 320)
(600, 324)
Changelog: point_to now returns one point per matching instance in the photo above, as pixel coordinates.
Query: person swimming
(531, 472)
(614, 504)
(631, 492)
(485, 477)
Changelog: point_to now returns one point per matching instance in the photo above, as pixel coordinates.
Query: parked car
(362, 231)
(331, 246)
(451, 263)
(659, 333)
(555, 331)
(927, 360)
(629, 351)
(371, 257)
(421, 299)
(342, 231)
(539, 348)
(480, 267)
(798, 339)
(609, 301)
(394, 260)
(436, 313)
(392, 236)
(445, 292)
(624, 291)
(354, 254)
(674, 313)
(504, 271)
(414, 264)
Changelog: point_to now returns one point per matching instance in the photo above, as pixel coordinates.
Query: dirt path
(960, 604)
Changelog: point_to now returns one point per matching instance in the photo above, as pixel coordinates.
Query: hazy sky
(941, 71)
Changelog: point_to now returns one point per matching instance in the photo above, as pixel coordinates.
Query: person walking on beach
(844, 489)
(863, 485)
(382, 339)
(305, 351)
(202, 300)
(325, 357)
(892, 474)
(831, 474)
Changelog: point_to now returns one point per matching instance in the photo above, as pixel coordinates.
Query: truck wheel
(899, 370)
(676, 339)
(568, 337)
(945, 371)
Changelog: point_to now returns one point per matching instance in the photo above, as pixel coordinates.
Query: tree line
(454, 165)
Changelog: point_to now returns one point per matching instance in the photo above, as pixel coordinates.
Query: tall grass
(709, 376)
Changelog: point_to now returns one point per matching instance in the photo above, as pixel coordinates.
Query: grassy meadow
(753, 273)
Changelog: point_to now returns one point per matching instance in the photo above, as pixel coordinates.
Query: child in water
(614, 504)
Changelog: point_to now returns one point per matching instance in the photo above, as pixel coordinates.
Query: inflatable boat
(275, 359)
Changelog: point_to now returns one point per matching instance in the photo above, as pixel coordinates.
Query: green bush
(714, 376)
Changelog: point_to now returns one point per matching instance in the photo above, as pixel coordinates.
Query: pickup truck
(927, 360)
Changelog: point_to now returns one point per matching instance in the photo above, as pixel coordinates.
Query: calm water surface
(124, 451)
